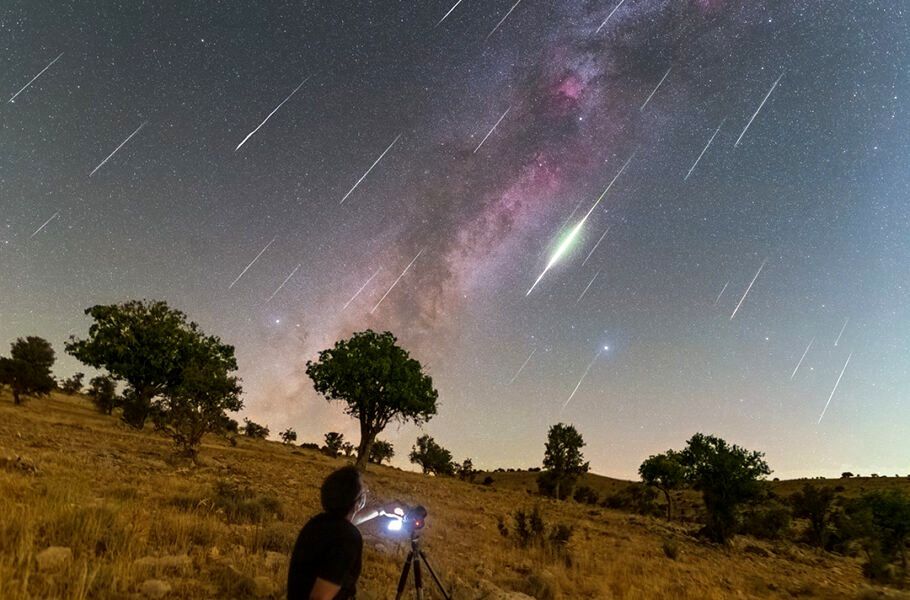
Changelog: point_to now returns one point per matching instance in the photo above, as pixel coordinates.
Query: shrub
(488, 480)
(528, 529)
(670, 548)
(769, 521)
(254, 430)
(636, 498)
(288, 436)
(586, 495)
(815, 504)
(310, 445)
(241, 504)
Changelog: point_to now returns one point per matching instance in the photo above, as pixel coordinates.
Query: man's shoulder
(324, 523)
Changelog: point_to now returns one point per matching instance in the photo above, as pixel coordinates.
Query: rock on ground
(54, 558)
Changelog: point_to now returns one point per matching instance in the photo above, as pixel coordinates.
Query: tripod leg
(418, 579)
(403, 580)
(442, 590)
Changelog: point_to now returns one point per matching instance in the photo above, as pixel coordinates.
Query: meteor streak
(695, 164)
(606, 231)
(37, 231)
(261, 252)
(590, 283)
(122, 144)
(609, 15)
(35, 77)
(288, 278)
(835, 389)
(655, 89)
(396, 281)
(361, 288)
(445, 16)
(736, 145)
(583, 375)
(746, 293)
(489, 133)
(364, 176)
(564, 245)
(801, 359)
(250, 134)
(837, 341)
(522, 367)
(501, 21)
(723, 289)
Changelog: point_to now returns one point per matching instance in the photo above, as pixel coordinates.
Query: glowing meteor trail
(396, 281)
(835, 389)
(366, 283)
(283, 283)
(489, 133)
(722, 290)
(37, 231)
(261, 252)
(695, 164)
(590, 283)
(502, 20)
(564, 245)
(445, 16)
(41, 72)
(801, 358)
(122, 144)
(522, 367)
(364, 176)
(757, 110)
(591, 253)
(615, 8)
(583, 375)
(746, 293)
(250, 134)
(837, 341)
(655, 90)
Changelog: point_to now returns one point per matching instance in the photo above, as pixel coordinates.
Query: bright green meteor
(564, 245)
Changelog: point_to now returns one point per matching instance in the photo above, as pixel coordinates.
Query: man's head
(342, 492)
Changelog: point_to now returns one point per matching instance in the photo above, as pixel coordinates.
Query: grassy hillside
(137, 524)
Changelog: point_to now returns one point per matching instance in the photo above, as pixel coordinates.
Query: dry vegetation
(129, 514)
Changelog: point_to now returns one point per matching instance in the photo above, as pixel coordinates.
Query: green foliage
(148, 345)
(880, 520)
(529, 529)
(432, 457)
(103, 392)
(670, 548)
(27, 371)
(333, 443)
(288, 436)
(586, 495)
(466, 471)
(665, 472)
(636, 498)
(816, 504)
(347, 449)
(727, 476)
(563, 461)
(241, 504)
(767, 520)
(381, 451)
(254, 430)
(73, 385)
(377, 380)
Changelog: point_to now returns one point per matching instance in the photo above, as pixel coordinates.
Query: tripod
(415, 556)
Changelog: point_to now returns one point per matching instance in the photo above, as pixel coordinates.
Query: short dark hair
(340, 491)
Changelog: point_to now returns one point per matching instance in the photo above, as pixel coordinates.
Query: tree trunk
(557, 488)
(16, 398)
(669, 504)
(365, 446)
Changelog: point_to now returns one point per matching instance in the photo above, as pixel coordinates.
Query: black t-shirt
(328, 548)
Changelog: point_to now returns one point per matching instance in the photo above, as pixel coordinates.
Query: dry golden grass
(71, 477)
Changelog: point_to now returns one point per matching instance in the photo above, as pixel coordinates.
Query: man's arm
(324, 590)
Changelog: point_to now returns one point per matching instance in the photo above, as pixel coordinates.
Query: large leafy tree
(727, 476)
(146, 344)
(432, 457)
(103, 392)
(377, 380)
(563, 461)
(816, 504)
(27, 371)
(665, 472)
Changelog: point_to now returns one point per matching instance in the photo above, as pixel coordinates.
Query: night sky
(815, 193)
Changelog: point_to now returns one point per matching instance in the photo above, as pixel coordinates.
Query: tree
(727, 476)
(432, 457)
(466, 470)
(377, 380)
(381, 451)
(288, 436)
(562, 461)
(254, 430)
(816, 505)
(333, 443)
(347, 449)
(846, 475)
(27, 371)
(103, 392)
(881, 521)
(147, 344)
(73, 385)
(198, 404)
(666, 473)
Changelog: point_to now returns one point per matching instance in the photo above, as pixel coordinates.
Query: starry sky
(415, 166)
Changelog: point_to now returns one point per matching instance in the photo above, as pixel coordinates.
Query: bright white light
(394, 525)
(606, 347)
(277, 321)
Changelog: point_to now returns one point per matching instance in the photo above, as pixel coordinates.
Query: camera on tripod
(404, 518)
(411, 520)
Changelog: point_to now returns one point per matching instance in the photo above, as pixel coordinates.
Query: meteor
(361, 288)
(567, 241)
(501, 21)
(606, 231)
(587, 288)
(615, 8)
(445, 16)
(755, 114)
(261, 252)
(522, 367)
(723, 289)
(655, 90)
(122, 144)
(364, 176)
(250, 134)
(746, 293)
(489, 133)
(801, 359)
(837, 341)
(583, 375)
(13, 99)
(704, 150)
(37, 231)
(288, 278)
(396, 281)
(835, 389)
